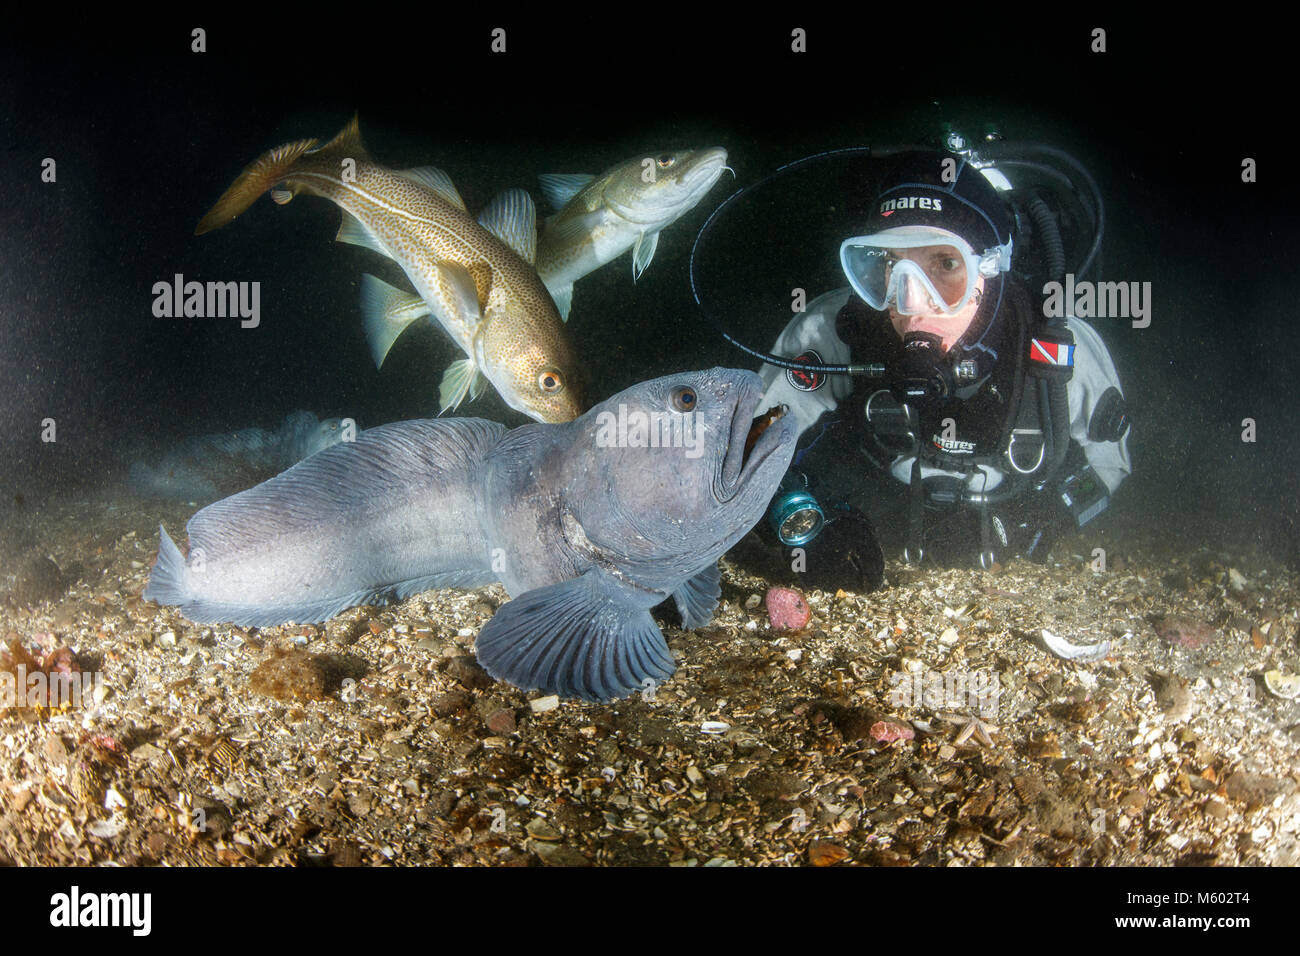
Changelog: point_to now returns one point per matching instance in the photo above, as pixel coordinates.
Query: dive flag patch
(1051, 353)
(806, 380)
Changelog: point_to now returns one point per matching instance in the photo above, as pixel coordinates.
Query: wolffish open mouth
(761, 424)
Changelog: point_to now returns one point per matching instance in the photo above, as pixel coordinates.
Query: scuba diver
(990, 429)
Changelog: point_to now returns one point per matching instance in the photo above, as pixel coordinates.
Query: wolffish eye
(550, 381)
(684, 399)
(665, 160)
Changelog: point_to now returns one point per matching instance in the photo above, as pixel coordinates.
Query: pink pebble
(787, 609)
(886, 731)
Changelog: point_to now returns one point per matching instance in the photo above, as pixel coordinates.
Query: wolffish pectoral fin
(643, 252)
(697, 598)
(579, 638)
(461, 378)
(387, 311)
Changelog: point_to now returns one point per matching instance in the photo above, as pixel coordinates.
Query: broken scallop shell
(1060, 647)
(1286, 686)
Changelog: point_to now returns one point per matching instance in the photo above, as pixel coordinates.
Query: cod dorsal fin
(559, 188)
(431, 177)
(512, 218)
(347, 143)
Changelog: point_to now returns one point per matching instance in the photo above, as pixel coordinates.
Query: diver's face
(946, 271)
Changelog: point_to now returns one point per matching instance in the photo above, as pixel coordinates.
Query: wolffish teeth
(760, 425)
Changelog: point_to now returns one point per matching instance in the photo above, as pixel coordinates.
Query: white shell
(1286, 686)
(1060, 647)
(542, 704)
(714, 727)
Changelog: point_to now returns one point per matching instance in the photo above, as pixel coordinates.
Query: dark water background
(147, 135)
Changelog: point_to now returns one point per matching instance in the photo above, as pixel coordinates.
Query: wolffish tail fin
(167, 583)
(259, 176)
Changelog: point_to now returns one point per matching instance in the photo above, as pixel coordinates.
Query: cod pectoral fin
(643, 252)
(697, 598)
(387, 311)
(461, 378)
(579, 638)
(512, 218)
(456, 294)
(559, 188)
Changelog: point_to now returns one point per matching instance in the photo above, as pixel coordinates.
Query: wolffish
(588, 524)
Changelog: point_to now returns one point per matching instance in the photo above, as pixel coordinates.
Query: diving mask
(914, 270)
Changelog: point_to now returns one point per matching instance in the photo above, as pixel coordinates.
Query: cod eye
(684, 399)
(550, 381)
(665, 160)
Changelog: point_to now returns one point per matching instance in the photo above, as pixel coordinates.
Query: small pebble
(541, 705)
(887, 731)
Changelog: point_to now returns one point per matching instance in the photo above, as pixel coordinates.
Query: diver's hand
(845, 555)
(1030, 530)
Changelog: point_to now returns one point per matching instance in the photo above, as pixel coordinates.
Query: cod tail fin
(260, 175)
(272, 167)
(167, 582)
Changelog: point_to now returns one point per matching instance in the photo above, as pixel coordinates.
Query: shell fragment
(1060, 647)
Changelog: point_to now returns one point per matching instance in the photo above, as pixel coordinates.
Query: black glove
(845, 555)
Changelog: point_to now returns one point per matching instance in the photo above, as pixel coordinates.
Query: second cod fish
(475, 277)
(600, 217)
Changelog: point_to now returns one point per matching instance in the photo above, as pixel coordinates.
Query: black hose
(1049, 234)
(1012, 151)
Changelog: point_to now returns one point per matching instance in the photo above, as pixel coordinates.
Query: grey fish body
(587, 526)
(389, 515)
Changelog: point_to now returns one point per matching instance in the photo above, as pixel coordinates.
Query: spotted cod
(475, 277)
(588, 525)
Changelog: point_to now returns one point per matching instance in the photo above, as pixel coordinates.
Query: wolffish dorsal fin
(512, 218)
(430, 177)
(347, 142)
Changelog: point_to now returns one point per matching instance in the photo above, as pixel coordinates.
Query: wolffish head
(667, 475)
(655, 189)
